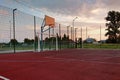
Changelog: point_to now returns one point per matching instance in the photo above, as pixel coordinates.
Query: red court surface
(74, 64)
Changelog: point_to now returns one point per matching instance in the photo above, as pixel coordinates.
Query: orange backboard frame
(49, 21)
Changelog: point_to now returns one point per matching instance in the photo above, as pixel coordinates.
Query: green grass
(5, 48)
(93, 46)
(102, 46)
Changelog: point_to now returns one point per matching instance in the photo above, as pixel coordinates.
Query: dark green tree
(28, 41)
(113, 25)
(65, 39)
(13, 40)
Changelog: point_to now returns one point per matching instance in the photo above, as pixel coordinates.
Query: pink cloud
(3, 12)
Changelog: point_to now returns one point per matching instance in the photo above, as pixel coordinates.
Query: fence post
(56, 41)
(60, 35)
(34, 33)
(68, 35)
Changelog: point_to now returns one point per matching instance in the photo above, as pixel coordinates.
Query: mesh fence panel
(61, 36)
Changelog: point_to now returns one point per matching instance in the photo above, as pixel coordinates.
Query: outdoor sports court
(74, 64)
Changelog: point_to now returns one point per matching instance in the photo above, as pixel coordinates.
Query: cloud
(30, 27)
(92, 10)
(113, 4)
(68, 7)
(3, 12)
(87, 10)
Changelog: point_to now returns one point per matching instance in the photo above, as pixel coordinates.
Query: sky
(90, 13)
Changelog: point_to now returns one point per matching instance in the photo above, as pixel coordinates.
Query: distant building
(89, 40)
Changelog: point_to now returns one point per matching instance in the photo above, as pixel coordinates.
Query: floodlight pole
(14, 28)
(73, 28)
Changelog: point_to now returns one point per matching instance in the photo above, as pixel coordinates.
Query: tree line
(61, 40)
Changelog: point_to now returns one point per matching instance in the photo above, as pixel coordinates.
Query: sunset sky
(90, 13)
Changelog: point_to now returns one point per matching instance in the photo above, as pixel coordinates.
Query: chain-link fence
(28, 30)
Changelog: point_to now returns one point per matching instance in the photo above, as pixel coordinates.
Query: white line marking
(4, 78)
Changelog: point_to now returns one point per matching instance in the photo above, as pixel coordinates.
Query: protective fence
(22, 32)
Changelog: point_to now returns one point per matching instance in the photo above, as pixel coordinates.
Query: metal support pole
(100, 37)
(34, 34)
(49, 39)
(71, 42)
(38, 42)
(68, 31)
(56, 41)
(10, 33)
(68, 35)
(60, 35)
(75, 33)
(14, 30)
(86, 33)
(81, 39)
(71, 34)
(41, 40)
(75, 37)
(73, 28)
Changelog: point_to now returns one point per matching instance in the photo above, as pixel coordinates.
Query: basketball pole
(41, 39)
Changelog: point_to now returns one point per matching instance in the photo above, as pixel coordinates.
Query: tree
(28, 41)
(113, 25)
(65, 39)
(13, 40)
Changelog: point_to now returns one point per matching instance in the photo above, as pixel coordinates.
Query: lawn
(52, 47)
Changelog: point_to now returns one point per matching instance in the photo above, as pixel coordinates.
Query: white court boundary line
(4, 78)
